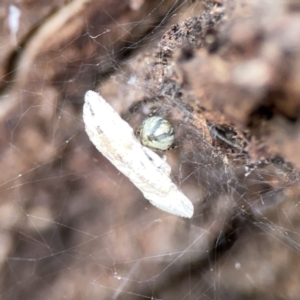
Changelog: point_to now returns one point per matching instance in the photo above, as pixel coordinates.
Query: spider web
(72, 226)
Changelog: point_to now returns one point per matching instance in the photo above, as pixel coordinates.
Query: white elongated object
(115, 139)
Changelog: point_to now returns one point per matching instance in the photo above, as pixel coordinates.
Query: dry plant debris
(225, 73)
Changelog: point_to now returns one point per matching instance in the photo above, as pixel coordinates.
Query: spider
(156, 133)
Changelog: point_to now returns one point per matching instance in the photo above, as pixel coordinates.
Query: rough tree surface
(226, 74)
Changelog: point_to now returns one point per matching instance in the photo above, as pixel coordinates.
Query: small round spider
(157, 133)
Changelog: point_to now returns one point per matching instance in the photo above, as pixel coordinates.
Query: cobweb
(72, 226)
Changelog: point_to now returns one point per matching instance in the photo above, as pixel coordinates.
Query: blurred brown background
(226, 75)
